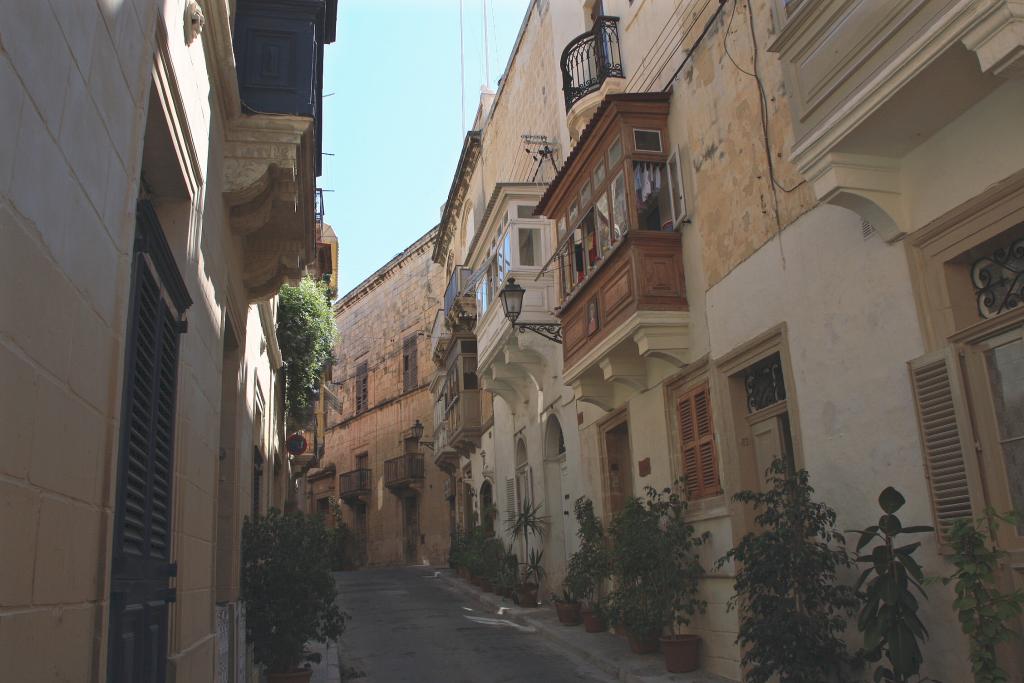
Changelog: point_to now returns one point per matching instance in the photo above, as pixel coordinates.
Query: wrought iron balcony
(355, 484)
(589, 59)
(403, 471)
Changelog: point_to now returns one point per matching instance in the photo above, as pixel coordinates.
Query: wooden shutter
(946, 438)
(409, 369)
(697, 442)
(511, 506)
(141, 563)
(362, 387)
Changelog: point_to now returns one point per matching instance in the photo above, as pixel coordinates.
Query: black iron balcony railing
(589, 59)
(403, 470)
(355, 482)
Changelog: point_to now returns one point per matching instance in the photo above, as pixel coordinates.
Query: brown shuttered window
(697, 441)
(945, 437)
(362, 387)
(409, 370)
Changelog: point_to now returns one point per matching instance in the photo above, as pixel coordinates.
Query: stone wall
(374, 320)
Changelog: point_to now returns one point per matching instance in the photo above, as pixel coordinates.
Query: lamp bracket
(552, 331)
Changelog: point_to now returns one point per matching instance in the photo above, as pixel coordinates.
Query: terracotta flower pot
(300, 676)
(568, 613)
(527, 595)
(642, 646)
(592, 622)
(682, 653)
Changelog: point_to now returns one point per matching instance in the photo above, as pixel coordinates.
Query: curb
(638, 671)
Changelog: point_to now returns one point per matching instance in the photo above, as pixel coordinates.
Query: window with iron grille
(362, 387)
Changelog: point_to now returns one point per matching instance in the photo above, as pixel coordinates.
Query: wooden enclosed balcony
(355, 485)
(403, 472)
(636, 294)
(462, 420)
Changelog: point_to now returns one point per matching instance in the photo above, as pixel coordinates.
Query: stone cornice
(457, 194)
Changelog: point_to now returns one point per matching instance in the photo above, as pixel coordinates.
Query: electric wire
(675, 47)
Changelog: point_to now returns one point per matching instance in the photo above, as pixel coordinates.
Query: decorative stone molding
(998, 39)
(583, 110)
(195, 21)
(867, 185)
(268, 187)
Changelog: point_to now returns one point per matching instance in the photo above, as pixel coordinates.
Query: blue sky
(393, 122)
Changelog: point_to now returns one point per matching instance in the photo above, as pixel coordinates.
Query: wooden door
(771, 440)
(141, 558)
(411, 527)
(618, 465)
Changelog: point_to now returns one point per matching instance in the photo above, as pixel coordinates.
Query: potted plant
(656, 569)
(508, 573)
(490, 567)
(526, 523)
(533, 574)
(567, 606)
(289, 592)
(793, 609)
(588, 566)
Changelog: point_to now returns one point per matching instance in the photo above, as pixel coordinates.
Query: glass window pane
(574, 214)
(505, 256)
(619, 222)
(604, 231)
(647, 140)
(598, 174)
(528, 247)
(585, 193)
(1006, 377)
(654, 209)
(593, 253)
(525, 210)
(615, 152)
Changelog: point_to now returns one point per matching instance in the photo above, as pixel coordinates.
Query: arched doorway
(487, 509)
(557, 497)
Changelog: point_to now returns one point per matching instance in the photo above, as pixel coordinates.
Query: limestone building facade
(772, 236)
(398, 504)
(147, 219)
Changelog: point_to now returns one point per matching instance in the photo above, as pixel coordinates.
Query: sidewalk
(607, 652)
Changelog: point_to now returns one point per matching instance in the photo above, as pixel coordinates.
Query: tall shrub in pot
(656, 569)
(792, 609)
(589, 567)
(288, 590)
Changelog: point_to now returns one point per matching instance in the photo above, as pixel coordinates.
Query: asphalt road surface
(407, 625)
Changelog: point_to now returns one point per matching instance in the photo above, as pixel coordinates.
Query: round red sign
(296, 444)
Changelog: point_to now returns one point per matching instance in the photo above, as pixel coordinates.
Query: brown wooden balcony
(355, 485)
(633, 295)
(462, 420)
(403, 472)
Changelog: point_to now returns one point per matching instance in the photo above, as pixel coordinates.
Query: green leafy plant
(533, 568)
(983, 609)
(889, 618)
(473, 551)
(655, 565)
(589, 566)
(792, 609)
(288, 588)
(342, 539)
(508, 572)
(306, 333)
(527, 523)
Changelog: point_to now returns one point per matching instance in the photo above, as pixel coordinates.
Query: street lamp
(512, 301)
(417, 433)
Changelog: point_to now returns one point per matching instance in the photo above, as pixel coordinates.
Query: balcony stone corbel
(626, 371)
(508, 392)
(997, 37)
(268, 187)
(664, 336)
(867, 185)
(530, 362)
(594, 390)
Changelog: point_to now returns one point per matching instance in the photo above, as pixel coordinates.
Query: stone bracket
(998, 39)
(867, 185)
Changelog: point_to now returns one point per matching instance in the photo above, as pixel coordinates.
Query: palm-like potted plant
(656, 574)
(588, 566)
(289, 592)
(527, 523)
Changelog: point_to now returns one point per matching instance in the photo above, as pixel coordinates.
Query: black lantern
(417, 433)
(512, 300)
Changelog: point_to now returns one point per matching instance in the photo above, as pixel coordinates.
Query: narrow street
(406, 625)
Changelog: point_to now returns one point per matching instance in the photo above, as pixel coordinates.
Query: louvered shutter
(511, 507)
(945, 437)
(697, 443)
(141, 563)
